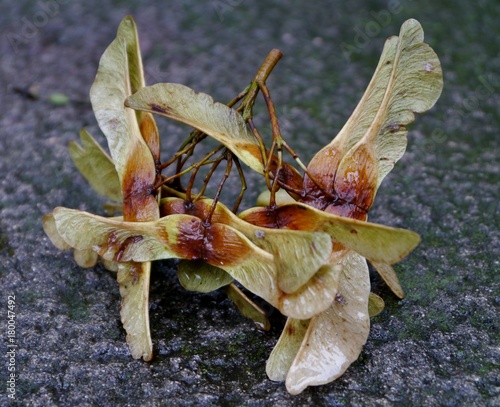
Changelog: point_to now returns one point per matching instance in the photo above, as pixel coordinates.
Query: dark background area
(439, 346)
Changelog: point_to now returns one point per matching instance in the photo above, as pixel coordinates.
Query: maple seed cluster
(304, 251)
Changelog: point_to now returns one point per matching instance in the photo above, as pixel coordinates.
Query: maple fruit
(304, 251)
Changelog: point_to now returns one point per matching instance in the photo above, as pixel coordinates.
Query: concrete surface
(437, 347)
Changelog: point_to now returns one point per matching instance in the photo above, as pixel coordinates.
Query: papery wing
(247, 307)
(96, 166)
(128, 31)
(407, 80)
(199, 110)
(413, 85)
(285, 351)
(196, 275)
(133, 279)
(390, 277)
(132, 158)
(50, 229)
(298, 254)
(378, 243)
(375, 305)
(335, 338)
(116, 240)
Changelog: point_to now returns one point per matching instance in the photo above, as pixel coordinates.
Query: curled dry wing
(314, 352)
(335, 338)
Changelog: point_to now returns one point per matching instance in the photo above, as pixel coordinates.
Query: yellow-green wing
(377, 243)
(298, 254)
(285, 351)
(120, 241)
(196, 275)
(199, 110)
(381, 245)
(96, 166)
(247, 307)
(130, 153)
(185, 237)
(50, 229)
(128, 31)
(133, 279)
(375, 305)
(407, 80)
(413, 85)
(390, 277)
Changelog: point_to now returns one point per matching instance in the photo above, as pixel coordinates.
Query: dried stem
(224, 178)
(195, 168)
(243, 184)
(207, 178)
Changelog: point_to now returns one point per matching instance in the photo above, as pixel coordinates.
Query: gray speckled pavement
(437, 347)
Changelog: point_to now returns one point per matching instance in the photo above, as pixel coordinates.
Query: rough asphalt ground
(439, 346)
